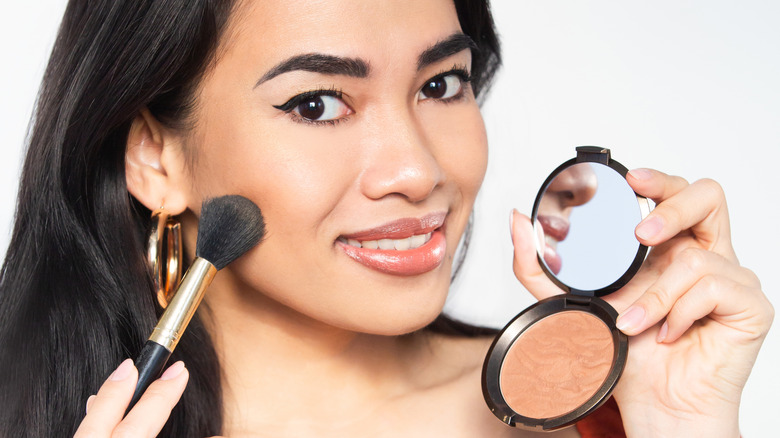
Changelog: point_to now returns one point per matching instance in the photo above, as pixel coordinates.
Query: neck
(280, 366)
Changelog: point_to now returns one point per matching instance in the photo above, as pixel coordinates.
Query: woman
(345, 121)
(573, 187)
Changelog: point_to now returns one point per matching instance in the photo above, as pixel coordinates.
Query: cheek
(294, 175)
(461, 147)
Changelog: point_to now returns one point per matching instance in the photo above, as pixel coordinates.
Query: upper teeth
(413, 242)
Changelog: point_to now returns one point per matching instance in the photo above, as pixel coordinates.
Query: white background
(688, 87)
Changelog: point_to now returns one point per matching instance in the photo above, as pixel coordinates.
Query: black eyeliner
(465, 78)
(300, 98)
(460, 72)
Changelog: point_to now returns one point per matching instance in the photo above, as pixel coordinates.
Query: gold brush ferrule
(184, 304)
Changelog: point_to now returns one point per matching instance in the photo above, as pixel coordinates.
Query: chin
(401, 326)
(391, 314)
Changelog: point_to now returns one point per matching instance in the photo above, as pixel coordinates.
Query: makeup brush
(229, 227)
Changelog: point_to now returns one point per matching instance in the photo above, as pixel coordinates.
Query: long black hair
(75, 294)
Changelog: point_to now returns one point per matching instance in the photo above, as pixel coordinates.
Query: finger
(699, 207)
(149, 415)
(89, 403)
(108, 406)
(685, 271)
(722, 299)
(526, 265)
(655, 185)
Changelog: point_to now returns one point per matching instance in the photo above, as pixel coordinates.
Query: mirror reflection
(585, 224)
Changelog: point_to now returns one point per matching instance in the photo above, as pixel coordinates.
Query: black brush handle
(150, 364)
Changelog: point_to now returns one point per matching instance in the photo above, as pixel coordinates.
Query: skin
(298, 324)
(573, 187)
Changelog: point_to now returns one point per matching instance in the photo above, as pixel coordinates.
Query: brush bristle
(229, 227)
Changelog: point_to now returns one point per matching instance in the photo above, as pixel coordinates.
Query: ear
(155, 165)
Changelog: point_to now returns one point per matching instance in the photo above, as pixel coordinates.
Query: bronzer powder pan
(544, 385)
(560, 359)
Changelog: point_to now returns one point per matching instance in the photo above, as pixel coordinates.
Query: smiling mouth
(551, 242)
(555, 230)
(408, 246)
(408, 243)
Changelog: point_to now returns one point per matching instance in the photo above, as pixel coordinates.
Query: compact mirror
(584, 217)
(559, 360)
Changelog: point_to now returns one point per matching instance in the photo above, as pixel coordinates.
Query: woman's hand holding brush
(138, 401)
(105, 411)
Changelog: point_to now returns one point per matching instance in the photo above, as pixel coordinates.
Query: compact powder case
(559, 360)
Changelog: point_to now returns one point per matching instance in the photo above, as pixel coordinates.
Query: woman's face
(573, 187)
(351, 125)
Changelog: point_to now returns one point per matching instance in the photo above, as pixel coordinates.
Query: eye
(444, 86)
(322, 106)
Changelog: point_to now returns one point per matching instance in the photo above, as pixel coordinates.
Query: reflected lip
(554, 226)
(555, 230)
(404, 262)
(552, 259)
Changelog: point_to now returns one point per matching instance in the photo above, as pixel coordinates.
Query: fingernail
(641, 174)
(122, 371)
(89, 402)
(662, 333)
(649, 228)
(511, 224)
(173, 371)
(630, 319)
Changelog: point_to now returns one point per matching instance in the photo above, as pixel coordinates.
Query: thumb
(526, 265)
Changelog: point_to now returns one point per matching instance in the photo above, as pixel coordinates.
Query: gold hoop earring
(164, 255)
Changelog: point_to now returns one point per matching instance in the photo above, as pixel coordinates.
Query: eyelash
(460, 71)
(465, 78)
(296, 100)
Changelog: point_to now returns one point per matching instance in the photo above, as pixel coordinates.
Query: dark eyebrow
(319, 63)
(444, 48)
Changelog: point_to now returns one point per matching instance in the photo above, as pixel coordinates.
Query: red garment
(605, 422)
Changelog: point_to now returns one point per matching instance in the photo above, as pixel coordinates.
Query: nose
(400, 160)
(574, 186)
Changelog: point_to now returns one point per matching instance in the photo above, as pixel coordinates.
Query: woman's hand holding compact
(696, 317)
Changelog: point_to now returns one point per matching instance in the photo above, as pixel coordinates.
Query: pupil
(436, 88)
(312, 109)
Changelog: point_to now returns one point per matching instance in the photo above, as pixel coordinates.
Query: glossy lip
(401, 262)
(556, 228)
(401, 228)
